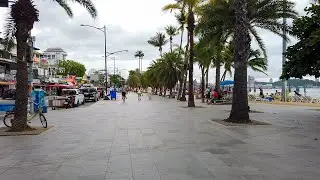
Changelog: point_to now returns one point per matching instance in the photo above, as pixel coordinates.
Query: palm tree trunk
(218, 72)
(185, 73)
(207, 77)
(171, 43)
(191, 27)
(19, 122)
(240, 111)
(202, 84)
(224, 75)
(182, 74)
(160, 93)
(160, 50)
(170, 93)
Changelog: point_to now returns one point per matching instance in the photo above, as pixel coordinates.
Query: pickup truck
(90, 94)
(78, 96)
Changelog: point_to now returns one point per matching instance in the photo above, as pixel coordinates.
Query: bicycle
(7, 120)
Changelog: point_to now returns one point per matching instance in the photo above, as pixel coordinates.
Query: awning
(226, 83)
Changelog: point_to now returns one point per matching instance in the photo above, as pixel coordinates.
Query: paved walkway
(160, 140)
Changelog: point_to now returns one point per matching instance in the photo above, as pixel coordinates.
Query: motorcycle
(69, 103)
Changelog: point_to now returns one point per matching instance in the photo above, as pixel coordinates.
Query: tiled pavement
(160, 140)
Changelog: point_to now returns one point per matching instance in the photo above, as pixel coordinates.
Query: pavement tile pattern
(160, 140)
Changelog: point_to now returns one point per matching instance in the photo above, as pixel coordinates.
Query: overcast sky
(129, 25)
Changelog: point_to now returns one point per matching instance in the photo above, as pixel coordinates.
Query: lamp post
(112, 53)
(104, 30)
(284, 48)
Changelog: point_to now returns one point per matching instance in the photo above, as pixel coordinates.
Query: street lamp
(104, 30)
(111, 53)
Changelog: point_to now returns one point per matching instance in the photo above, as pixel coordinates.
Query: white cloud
(129, 25)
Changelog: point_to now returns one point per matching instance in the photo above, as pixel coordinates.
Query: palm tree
(254, 61)
(240, 111)
(191, 6)
(140, 55)
(167, 69)
(159, 40)
(171, 32)
(217, 19)
(204, 59)
(23, 15)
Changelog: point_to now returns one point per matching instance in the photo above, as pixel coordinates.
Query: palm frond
(89, 6)
(66, 7)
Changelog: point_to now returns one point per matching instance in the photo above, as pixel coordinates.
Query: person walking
(124, 94)
(149, 90)
(139, 92)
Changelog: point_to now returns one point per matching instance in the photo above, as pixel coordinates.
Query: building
(54, 55)
(317, 79)
(7, 67)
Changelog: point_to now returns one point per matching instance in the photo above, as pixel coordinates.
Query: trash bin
(38, 98)
(113, 94)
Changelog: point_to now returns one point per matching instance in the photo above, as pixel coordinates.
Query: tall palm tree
(191, 6)
(240, 111)
(23, 15)
(181, 18)
(139, 54)
(171, 32)
(204, 59)
(159, 40)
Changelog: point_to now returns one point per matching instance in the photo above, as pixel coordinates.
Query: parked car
(90, 94)
(78, 96)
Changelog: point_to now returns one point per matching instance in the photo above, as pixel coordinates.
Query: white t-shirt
(149, 90)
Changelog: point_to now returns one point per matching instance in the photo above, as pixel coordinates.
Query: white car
(79, 97)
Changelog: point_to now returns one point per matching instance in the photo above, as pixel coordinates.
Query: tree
(23, 15)
(116, 79)
(171, 31)
(72, 67)
(217, 19)
(140, 55)
(180, 5)
(254, 61)
(134, 78)
(166, 70)
(304, 56)
(239, 110)
(159, 40)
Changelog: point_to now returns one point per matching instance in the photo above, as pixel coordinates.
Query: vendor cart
(58, 102)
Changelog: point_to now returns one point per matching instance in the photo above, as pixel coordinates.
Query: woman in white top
(139, 92)
(149, 89)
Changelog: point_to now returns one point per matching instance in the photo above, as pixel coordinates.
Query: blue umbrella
(226, 82)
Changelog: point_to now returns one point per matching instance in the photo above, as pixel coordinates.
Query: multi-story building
(54, 55)
(7, 67)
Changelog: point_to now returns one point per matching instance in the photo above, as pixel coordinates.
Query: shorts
(124, 94)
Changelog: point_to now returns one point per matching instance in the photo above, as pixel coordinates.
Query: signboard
(4, 3)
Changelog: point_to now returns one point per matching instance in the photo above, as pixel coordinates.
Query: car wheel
(82, 102)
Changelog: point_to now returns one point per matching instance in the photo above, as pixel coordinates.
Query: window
(53, 56)
(49, 56)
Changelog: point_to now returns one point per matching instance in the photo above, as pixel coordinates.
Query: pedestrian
(139, 92)
(149, 90)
